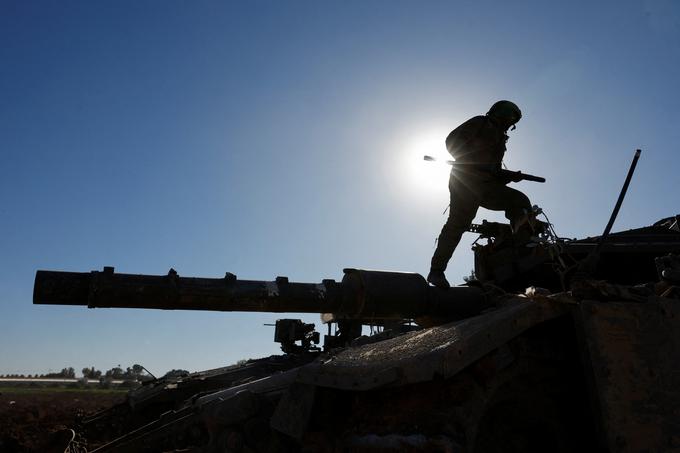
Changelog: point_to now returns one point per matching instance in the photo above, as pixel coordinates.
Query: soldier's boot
(522, 221)
(523, 227)
(438, 279)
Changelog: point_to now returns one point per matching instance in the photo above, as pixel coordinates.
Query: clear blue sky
(286, 138)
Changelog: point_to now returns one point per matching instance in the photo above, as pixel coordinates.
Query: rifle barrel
(453, 163)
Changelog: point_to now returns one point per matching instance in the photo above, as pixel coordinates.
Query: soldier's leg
(499, 197)
(461, 213)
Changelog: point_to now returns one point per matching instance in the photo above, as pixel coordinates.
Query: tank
(552, 344)
(531, 355)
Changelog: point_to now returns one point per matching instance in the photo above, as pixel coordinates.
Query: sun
(425, 177)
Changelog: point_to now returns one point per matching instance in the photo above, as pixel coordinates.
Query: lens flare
(423, 177)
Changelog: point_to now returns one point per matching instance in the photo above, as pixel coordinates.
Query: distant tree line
(176, 374)
(64, 373)
(134, 373)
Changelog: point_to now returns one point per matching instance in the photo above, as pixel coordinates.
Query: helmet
(505, 111)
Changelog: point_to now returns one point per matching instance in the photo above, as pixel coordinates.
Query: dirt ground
(30, 417)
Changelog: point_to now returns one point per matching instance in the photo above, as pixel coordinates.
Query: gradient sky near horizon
(286, 138)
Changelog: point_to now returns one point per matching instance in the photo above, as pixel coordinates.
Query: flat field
(28, 415)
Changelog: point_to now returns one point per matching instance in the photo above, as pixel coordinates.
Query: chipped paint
(321, 288)
(272, 289)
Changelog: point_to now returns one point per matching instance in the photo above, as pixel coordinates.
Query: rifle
(510, 175)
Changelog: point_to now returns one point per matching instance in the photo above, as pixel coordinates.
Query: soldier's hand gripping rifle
(514, 176)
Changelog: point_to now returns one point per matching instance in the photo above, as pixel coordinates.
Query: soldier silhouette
(479, 146)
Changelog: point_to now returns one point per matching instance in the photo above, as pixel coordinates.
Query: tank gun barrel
(362, 294)
(172, 292)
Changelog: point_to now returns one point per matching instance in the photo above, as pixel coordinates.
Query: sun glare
(426, 177)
